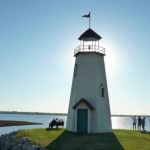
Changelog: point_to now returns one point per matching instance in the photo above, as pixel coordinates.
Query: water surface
(118, 122)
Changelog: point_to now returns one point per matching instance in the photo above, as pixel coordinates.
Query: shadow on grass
(53, 129)
(72, 141)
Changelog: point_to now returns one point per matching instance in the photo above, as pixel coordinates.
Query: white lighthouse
(89, 110)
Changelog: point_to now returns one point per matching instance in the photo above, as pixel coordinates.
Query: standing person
(134, 123)
(143, 124)
(139, 123)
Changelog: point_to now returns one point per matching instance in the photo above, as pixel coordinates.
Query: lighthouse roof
(90, 106)
(89, 33)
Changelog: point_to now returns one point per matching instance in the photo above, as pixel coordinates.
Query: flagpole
(88, 16)
(89, 19)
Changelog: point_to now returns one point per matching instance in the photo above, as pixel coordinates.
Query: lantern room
(89, 42)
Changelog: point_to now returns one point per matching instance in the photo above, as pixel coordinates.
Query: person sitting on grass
(56, 123)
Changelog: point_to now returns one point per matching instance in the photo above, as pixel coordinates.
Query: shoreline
(65, 114)
(32, 113)
(7, 123)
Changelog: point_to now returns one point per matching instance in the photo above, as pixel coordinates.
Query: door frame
(88, 117)
(79, 124)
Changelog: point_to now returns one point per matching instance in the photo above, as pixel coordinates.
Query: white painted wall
(88, 77)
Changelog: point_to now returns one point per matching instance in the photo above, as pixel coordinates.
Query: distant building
(89, 110)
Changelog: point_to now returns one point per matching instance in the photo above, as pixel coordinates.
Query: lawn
(63, 140)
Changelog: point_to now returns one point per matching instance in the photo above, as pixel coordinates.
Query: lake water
(117, 122)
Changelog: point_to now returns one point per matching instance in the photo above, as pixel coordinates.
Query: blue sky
(37, 40)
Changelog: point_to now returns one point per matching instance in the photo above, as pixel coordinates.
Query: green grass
(63, 140)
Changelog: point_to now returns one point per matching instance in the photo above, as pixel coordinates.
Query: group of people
(56, 122)
(139, 122)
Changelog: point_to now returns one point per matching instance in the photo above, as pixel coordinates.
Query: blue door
(82, 120)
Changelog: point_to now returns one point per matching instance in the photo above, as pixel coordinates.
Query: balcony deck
(89, 48)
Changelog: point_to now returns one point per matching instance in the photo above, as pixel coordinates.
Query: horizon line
(61, 113)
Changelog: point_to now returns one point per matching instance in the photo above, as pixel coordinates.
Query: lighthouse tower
(89, 110)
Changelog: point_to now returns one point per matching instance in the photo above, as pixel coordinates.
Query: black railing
(89, 48)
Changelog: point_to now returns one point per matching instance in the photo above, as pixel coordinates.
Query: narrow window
(102, 90)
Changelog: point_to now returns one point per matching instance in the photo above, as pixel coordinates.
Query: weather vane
(88, 16)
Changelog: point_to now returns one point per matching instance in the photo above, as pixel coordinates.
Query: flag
(87, 16)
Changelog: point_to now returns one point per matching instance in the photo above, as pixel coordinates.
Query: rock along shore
(9, 142)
